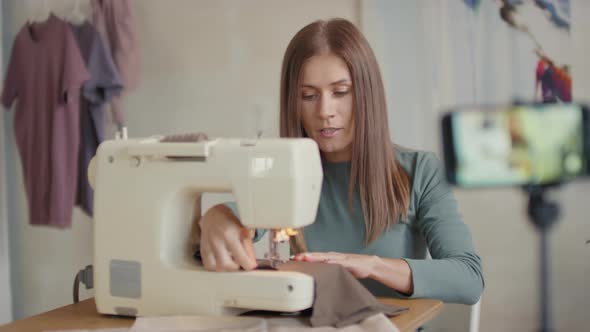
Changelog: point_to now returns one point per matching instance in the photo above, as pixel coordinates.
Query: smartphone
(516, 145)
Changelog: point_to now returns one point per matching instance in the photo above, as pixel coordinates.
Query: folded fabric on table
(375, 323)
(340, 299)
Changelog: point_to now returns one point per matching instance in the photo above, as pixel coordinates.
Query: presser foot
(272, 255)
(276, 237)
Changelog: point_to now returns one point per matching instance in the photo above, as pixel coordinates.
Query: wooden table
(83, 315)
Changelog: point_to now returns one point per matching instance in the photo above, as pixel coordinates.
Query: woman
(381, 206)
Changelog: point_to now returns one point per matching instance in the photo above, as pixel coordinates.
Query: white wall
(209, 65)
(5, 289)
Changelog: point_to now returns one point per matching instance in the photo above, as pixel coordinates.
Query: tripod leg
(546, 323)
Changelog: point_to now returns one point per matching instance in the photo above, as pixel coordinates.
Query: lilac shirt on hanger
(104, 83)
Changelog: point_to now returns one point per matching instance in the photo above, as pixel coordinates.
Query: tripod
(543, 214)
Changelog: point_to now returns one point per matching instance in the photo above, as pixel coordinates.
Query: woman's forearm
(394, 273)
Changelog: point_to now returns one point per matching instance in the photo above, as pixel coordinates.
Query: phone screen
(516, 145)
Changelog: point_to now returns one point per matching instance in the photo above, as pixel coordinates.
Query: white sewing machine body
(143, 207)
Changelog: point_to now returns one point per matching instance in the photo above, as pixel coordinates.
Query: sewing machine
(144, 199)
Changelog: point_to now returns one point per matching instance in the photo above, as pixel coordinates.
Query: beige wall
(427, 51)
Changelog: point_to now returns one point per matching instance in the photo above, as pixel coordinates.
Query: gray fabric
(339, 299)
(104, 83)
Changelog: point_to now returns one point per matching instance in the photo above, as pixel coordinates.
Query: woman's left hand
(361, 266)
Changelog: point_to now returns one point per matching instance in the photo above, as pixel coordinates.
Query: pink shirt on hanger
(115, 20)
(44, 76)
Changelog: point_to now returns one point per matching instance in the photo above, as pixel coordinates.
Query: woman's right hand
(225, 244)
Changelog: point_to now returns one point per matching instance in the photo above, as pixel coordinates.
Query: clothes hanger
(121, 132)
(43, 15)
(77, 16)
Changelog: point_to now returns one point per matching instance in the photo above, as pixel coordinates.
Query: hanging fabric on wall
(553, 84)
(115, 20)
(473, 4)
(553, 80)
(44, 76)
(104, 84)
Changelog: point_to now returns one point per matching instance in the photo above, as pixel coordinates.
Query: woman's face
(327, 105)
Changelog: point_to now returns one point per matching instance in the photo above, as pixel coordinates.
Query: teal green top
(454, 274)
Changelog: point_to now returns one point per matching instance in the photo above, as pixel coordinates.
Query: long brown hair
(382, 183)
